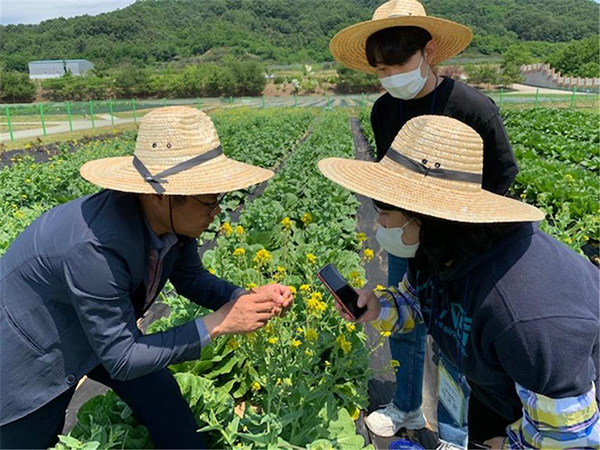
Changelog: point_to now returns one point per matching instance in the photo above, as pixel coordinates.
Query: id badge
(451, 395)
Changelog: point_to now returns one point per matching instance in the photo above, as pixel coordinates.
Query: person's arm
(554, 383)
(499, 163)
(557, 423)
(400, 310)
(194, 282)
(98, 282)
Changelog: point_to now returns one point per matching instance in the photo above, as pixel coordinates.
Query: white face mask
(390, 240)
(406, 86)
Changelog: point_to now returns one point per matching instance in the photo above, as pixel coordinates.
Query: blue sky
(35, 11)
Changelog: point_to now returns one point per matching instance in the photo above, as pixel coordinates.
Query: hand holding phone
(346, 297)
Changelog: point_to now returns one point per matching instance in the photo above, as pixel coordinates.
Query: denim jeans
(408, 349)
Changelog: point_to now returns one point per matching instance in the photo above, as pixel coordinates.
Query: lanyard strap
(434, 323)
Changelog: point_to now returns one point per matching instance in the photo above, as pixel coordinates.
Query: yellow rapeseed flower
(287, 381)
(272, 340)
(362, 237)
(256, 386)
(251, 286)
(300, 330)
(379, 288)
(344, 344)
(226, 229)
(386, 334)
(305, 288)
(311, 258)
(239, 230)
(262, 257)
(350, 327)
(311, 335)
(239, 251)
(286, 223)
(293, 290)
(233, 344)
(368, 254)
(212, 271)
(296, 343)
(394, 363)
(307, 218)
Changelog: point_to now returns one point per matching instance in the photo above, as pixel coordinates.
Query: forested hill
(284, 31)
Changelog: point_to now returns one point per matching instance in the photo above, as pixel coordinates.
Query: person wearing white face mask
(402, 46)
(511, 308)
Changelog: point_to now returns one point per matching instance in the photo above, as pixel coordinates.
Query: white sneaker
(387, 421)
(448, 446)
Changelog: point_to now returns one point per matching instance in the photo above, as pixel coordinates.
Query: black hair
(396, 45)
(443, 241)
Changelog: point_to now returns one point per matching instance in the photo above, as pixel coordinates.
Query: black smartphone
(341, 290)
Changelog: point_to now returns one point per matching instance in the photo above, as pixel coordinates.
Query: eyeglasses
(212, 206)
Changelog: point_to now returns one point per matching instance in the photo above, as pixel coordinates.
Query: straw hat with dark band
(348, 47)
(434, 167)
(177, 153)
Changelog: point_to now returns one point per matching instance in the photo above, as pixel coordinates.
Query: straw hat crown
(439, 143)
(433, 167)
(399, 8)
(348, 46)
(177, 152)
(172, 135)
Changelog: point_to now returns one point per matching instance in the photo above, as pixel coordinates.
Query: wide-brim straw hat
(348, 47)
(434, 167)
(177, 152)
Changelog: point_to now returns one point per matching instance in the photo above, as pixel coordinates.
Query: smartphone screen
(341, 290)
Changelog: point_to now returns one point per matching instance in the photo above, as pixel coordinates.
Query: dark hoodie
(532, 317)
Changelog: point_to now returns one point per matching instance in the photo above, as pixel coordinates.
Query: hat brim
(218, 175)
(425, 195)
(348, 47)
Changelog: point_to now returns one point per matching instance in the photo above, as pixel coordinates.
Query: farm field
(301, 381)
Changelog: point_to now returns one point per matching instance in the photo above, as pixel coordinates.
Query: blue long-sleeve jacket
(72, 286)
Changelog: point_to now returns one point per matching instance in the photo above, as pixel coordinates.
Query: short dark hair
(395, 45)
(443, 241)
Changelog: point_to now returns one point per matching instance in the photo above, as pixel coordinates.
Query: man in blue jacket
(74, 283)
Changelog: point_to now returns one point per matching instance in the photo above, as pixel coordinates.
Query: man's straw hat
(434, 167)
(348, 47)
(177, 153)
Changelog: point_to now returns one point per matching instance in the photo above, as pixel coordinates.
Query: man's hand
(365, 298)
(246, 314)
(280, 295)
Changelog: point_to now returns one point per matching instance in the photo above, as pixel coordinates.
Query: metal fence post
(110, 108)
(133, 109)
(262, 101)
(92, 113)
(537, 97)
(501, 98)
(573, 97)
(199, 103)
(42, 118)
(69, 115)
(8, 121)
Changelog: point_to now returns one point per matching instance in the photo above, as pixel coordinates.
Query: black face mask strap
(171, 215)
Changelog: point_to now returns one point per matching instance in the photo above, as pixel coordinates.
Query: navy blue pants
(155, 400)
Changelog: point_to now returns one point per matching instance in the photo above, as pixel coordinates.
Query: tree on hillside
(16, 87)
(578, 58)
